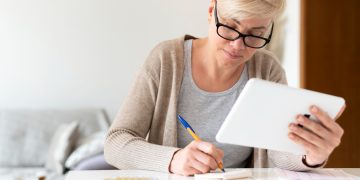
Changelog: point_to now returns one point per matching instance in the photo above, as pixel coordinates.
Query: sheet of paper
(130, 178)
(326, 174)
(237, 174)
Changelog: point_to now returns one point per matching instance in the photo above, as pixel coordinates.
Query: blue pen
(192, 133)
(184, 123)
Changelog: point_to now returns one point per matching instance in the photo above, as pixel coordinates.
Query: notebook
(236, 174)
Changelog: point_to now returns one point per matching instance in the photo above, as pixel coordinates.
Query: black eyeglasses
(232, 34)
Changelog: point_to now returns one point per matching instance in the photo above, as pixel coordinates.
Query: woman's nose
(238, 44)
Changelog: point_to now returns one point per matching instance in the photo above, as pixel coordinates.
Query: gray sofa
(28, 139)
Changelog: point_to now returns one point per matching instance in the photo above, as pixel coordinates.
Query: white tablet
(261, 115)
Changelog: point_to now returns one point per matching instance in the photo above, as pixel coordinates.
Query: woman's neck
(208, 72)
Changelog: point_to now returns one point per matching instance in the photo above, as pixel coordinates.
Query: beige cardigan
(150, 109)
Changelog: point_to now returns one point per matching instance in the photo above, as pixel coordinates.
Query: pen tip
(221, 166)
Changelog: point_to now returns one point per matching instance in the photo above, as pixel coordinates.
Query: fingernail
(300, 119)
(298, 116)
(292, 127)
(314, 109)
(291, 136)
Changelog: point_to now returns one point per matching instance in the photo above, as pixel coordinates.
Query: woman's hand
(196, 158)
(318, 138)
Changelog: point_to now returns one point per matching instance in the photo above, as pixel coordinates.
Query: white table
(264, 173)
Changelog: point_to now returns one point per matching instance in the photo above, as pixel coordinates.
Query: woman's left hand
(319, 139)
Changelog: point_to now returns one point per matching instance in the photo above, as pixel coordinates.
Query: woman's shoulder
(171, 46)
(166, 54)
(265, 65)
(167, 46)
(266, 58)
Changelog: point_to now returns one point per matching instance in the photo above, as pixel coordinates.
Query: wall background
(84, 53)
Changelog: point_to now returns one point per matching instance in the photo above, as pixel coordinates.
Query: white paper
(323, 174)
(237, 174)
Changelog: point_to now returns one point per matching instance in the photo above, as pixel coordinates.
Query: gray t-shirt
(206, 111)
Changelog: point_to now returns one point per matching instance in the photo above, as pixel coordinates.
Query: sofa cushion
(93, 146)
(96, 162)
(60, 147)
(25, 135)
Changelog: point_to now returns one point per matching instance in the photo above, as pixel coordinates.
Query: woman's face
(232, 53)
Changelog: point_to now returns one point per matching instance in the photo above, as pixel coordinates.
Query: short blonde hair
(243, 9)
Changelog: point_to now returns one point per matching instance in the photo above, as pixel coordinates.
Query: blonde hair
(243, 9)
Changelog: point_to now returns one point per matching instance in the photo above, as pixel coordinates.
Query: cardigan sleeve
(288, 161)
(125, 145)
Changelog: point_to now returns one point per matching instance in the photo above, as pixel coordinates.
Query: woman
(201, 79)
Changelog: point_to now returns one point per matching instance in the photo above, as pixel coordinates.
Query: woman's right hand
(196, 158)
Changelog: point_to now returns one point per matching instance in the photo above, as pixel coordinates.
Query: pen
(192, 133)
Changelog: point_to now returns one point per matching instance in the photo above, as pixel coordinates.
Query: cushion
(61, 146)
(22, 142)
(96, 162)
(25, 134)
(94, 145)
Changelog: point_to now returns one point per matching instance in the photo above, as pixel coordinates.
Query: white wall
(84, 53)
(291, 57)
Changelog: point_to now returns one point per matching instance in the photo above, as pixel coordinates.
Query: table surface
(261, 173)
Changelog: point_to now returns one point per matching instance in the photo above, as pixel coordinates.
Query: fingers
(326, 120)
(299, 140)
(308, 135)
(221, 153)
(316, 133)
(196, 158)
(191, 171)
(313, 126)
(211, 150)
(319, 139)
(206, 160)
(184, 162)
(341, 111)
(203, 168)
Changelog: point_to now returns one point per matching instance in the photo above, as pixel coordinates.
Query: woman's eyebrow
(255, 28)
(259, 27)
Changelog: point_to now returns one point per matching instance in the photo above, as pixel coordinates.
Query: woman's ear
(211, 10)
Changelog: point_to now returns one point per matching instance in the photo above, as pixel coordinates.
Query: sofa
(49, 142)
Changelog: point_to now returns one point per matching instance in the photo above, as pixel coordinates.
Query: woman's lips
(231, 55)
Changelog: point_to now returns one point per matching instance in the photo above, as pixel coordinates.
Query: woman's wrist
(171, 161)
(311, 164)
